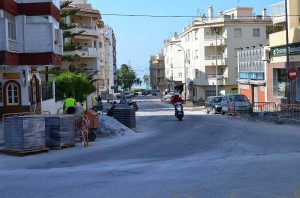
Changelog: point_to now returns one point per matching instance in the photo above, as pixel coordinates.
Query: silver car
(169, 95)
(239, 101)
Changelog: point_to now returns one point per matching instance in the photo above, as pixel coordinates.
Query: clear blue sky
(140, 37)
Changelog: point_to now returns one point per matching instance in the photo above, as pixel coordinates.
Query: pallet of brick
(60, 131)
(24, 134)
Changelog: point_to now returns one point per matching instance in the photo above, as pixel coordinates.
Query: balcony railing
(278, 11)
(212, 38)
(213, 57)
(89, 27)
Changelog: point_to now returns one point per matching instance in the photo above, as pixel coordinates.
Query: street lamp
(184, 67)
(288, 86)
(156, 76)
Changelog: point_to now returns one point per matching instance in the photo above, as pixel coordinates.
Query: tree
(146, 80)
(76, 84)
(138, 81)
(126, 76)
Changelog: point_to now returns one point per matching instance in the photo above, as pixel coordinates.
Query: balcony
(210, 60)
(89, 31)
(85, 52)
(212, 39)
(278, 12)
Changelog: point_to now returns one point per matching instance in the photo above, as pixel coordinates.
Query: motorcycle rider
(123, 100)
(176, 98)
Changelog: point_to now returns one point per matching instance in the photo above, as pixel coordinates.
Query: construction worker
(95, 102)
(69, 102)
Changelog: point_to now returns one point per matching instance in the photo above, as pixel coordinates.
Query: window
(42, 19)
(279, 82)
(256, 32)
(196, 35)
(11, 25)
(237, 32)
(12, 94)
(197, 73)
(1, 94)
(196, 54)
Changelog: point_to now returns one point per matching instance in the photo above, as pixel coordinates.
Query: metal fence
(275, 113)
(288, 113)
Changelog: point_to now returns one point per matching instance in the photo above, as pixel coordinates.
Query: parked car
(241, 102)
(155, 92)
(169, 95)
(213, 104)
(128, 94)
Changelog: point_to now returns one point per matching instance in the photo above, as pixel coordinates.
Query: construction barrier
(288, 113)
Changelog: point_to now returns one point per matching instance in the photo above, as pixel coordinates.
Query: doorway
(35, 102)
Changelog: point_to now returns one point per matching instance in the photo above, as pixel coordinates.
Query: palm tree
(146, 80)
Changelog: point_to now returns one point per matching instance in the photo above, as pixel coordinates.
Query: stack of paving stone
(24, 133)
(125, 115)
(60, 130)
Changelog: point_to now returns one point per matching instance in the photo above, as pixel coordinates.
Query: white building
(30, 42)
(89, 40)
(109, 62)
(174, 72)
(211, 44)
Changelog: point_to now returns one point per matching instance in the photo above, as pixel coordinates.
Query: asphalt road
(204, 156)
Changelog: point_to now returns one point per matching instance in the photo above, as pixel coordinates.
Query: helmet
(176, 94)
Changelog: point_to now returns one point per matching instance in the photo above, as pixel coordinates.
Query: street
(204, 156)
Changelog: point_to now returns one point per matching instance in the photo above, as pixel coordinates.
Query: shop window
(279, 82)
(12, 94)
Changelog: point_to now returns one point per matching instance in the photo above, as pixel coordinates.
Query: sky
(140, 37)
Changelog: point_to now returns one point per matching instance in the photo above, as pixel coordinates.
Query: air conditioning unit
(265, 54)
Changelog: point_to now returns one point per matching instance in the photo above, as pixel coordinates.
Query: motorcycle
(98, 108)
(179, 111)
(133, 104)
(110, 110)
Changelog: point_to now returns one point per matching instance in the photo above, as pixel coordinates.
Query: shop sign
(11, 76)
(294, 49)
(252, 76)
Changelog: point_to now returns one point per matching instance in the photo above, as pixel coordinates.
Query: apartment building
(174, 63)
(157, 72)
(109, 62)
(31, 42)
(279, 87)
(210, 45)
(88, 38)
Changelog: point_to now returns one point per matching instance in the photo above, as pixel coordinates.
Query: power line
(148, 15)
(179, 16)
